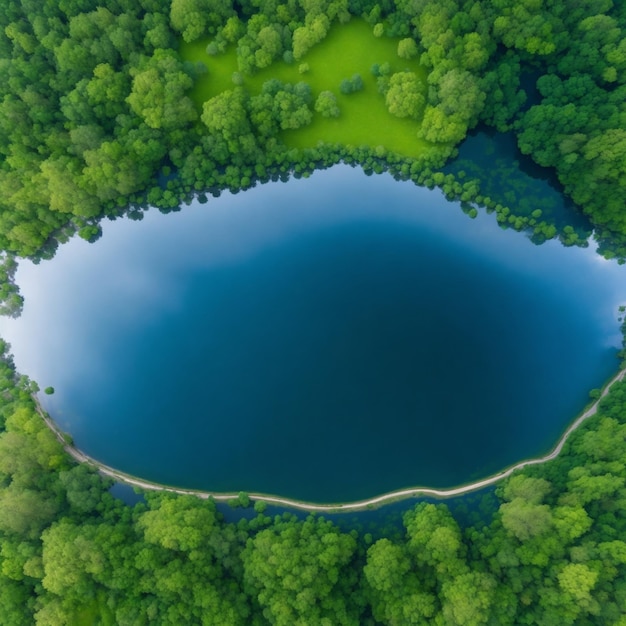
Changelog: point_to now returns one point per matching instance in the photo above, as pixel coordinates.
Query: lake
(327, 339)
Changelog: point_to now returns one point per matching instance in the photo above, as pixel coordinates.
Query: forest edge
(374, 502)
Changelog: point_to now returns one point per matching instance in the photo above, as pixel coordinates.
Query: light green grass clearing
(347, 50)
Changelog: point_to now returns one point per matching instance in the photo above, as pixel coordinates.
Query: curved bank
(386, 498)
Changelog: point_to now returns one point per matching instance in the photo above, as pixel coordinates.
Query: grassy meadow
(347, 50)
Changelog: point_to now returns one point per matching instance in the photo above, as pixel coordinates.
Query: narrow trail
(392, 496)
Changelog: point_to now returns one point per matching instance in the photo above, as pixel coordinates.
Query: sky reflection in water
(329, 338)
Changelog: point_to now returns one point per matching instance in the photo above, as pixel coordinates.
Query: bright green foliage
(299, 573)
(196, 18)
(407, 48)
(467, 599)
(179, 526)
(84, 489)
(434, 539)
(524, 519)
(460, 94)
(307, 36)
(90, 233)
(364, 117)
(524, 26)
(438, 127)
(532, 490)
(577, 580)
(69, 551)
(287, 105)
(260, 45)
(326, 104)
(71, 556)
(398, 596)
(226, 119)
(460, 100)
(606, 442)
(406, 95)
(270, 46)
(158, 93)
(571, 522)
(588, 486)
(96, 108)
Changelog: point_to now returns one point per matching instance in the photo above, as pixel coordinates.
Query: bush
(326, 104)
(407, 48)
(350, 85)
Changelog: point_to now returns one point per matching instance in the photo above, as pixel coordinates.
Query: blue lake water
(329, 339)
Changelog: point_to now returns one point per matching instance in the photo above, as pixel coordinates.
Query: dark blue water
(507, 176)
(326, 339)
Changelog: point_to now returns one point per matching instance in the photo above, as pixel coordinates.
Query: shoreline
(359, 505)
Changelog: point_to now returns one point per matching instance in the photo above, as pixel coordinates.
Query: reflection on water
(327, 339)
(518, 183)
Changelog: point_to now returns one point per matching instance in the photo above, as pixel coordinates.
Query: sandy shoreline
(334, 508)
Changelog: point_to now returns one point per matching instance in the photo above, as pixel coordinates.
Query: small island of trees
(107, 108)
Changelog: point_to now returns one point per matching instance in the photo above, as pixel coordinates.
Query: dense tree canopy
(552, 552)
(99, 117)
(95, 100)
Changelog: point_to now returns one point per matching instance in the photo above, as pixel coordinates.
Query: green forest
(552, 552)
(109, 108)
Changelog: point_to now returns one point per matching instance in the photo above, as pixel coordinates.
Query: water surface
(327, 339)
(514, 180)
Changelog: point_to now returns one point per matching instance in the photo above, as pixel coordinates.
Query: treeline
(570, 57)
(96, 121)
(70, 553)
(95, 117)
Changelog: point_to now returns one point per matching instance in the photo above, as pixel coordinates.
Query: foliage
(194, 18)
(326, 104)
(350, 85)
(100, 116)
(405, 95)
(300, 574)
(552, 553)
(158, 92)
(407, 48)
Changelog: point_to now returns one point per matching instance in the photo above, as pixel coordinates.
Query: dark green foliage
(10, 300)
(578, 129)
(553, 552)
(96, 120)
(350, 85)
(260, 506)
(94, 100)
(282, 106)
